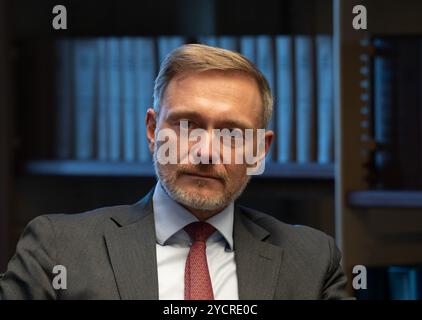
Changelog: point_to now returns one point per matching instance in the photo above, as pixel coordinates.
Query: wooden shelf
(88, 168)
(102, 168)
(299, 170)
(385, 199)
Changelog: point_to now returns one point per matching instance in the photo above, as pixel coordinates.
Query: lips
(201, 175)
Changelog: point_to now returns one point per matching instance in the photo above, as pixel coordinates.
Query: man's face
(206, 100)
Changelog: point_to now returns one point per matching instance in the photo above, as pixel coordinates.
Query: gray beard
(195, 200)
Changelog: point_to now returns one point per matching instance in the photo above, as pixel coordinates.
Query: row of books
(105, 86)
(397, 112)
(392, 283)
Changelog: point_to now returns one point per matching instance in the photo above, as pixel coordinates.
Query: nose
(209, 151)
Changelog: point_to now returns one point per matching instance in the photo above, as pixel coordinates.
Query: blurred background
(347, 158)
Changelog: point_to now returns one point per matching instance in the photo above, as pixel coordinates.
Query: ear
(259, 166)
(269, 136)
(263, 147)
(151, 124)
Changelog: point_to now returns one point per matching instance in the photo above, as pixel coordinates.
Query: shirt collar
(170, 217)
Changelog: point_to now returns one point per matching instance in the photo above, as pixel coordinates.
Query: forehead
(215, 94)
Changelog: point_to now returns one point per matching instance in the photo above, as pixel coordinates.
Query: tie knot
(199, 231)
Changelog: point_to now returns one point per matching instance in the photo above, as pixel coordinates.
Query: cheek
(169, 171)
(235, 172)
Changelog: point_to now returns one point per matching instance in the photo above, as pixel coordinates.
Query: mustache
(207, 173)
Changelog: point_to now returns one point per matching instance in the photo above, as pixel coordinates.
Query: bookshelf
(41, 183)
(374, 227)
(335, 197)
(106, 168)
(385, 199)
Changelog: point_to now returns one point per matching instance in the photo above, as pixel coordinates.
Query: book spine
(265, 63)
(408, 80)
(325, 99)
(305, 113)
(248, 47)
(102, 101)
(128, 97)
(383, 89)
(166, 44)
(64, 98)
(114, 111)
(403, 283)
(285, 99)
(208, 40)
(85, 60)
(228, 43)
(145, 65)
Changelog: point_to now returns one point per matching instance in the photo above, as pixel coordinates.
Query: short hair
(200, 58)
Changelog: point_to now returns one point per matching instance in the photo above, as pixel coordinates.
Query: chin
(200, 182)
(206, 189)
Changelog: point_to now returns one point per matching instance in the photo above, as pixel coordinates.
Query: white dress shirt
(173, 244)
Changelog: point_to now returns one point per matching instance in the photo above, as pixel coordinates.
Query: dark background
(27, 119)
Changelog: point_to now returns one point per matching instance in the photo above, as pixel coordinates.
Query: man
(186, 239)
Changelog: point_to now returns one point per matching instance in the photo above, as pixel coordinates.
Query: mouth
(201, 176)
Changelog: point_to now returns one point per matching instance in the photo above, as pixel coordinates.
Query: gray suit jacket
(109, 253)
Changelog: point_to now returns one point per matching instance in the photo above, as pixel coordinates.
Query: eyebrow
(193, 115)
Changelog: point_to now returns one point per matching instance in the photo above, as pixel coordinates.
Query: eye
(236, 132)
(229, 136)
(185, 123)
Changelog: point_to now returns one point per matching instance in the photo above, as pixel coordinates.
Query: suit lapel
(257, 262)
(131, 243)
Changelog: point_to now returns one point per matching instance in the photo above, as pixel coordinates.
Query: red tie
(197, 277)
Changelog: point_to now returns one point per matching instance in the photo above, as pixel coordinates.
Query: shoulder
(311, 261)
(119, 214)
(64, 235)
(88, 217)
(291, 237)
(278, 228)
(73, 226)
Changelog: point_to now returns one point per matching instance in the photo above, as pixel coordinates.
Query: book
(384, 84)
(325, 108)
(102, 129)
(145, 66)
(228, 43)
(248, 47)
(64, 98)
(397, 112)
(305, 102)
(284, 99)
(208, 40)
(265, 63)
(166, 44)
(84, 68)
(127, 76)
(404, 283)
(113, 97)
(408, 113)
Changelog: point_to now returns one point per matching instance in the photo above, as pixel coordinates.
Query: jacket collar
(131, 243)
